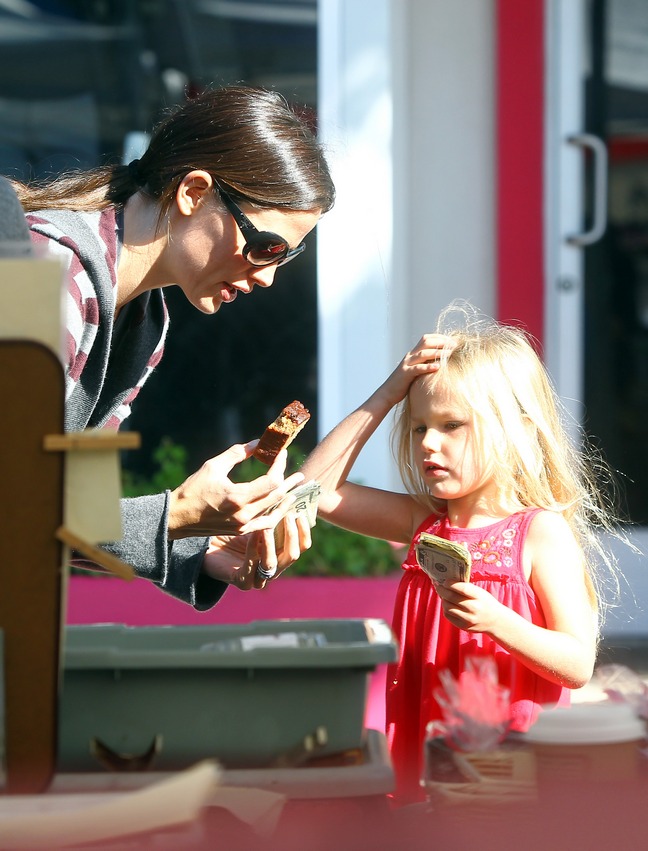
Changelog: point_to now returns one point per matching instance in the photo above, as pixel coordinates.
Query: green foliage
(252, 468)
(338, 552)
(335, 552)
(171, 462)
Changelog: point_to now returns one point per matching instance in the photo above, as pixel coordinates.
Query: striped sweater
(107, 363)
(95, 398)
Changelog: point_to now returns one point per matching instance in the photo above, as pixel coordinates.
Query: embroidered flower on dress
(494, 550)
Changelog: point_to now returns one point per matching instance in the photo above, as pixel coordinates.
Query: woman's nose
(263, 276)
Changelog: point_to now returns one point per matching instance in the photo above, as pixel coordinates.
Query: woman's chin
(213, 303)
(208, 305)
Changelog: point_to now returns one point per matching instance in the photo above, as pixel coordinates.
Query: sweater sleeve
(175, 566)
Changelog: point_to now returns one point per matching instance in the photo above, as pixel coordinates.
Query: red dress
(430, 643)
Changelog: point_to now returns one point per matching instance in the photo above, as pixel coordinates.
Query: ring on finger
(263, 573)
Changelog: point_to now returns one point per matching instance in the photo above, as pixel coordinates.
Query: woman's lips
(228, 293)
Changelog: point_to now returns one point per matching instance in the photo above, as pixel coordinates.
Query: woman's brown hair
(249, 139)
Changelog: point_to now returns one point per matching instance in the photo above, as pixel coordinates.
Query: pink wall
(97, 599)
(105, 600)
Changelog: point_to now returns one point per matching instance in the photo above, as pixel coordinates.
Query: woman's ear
(192, 190)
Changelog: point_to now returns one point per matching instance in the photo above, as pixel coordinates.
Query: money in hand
(306, 499)
(443, 561)
(303, 501)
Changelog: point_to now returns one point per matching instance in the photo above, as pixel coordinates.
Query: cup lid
(587, 723)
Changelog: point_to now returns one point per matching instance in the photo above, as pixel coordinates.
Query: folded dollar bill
(306, 498)
(443, 561)
(303, 500)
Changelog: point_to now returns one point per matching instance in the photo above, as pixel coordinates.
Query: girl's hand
(469, 607)
(210, 503)
(424, 359)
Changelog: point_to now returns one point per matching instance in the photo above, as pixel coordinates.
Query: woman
(228, 188)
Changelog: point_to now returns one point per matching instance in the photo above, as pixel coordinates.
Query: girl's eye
(420, 429)
(453, 425)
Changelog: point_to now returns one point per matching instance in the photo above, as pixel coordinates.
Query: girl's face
(204, 251)
(445, 445)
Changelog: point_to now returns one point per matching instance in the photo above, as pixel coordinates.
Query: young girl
(487, 462)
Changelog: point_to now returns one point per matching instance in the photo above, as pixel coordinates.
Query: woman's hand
(236, 559)
(210, 503)
(425, 358)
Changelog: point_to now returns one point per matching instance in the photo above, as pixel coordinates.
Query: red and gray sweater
(107, 363)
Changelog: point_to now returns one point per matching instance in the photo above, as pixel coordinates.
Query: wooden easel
(34, 541)
(31, 557)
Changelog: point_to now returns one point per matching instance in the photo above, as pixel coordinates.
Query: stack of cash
(443, 561)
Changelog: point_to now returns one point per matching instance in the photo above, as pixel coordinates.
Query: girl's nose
(263, 276)
(432, 440)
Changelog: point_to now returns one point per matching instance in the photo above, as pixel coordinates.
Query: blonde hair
(522, 431)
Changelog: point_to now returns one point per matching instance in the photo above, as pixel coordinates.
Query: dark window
(616, 271)
(78, 81)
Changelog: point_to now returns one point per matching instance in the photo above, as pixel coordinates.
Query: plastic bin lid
(260, 644)
(605, 722)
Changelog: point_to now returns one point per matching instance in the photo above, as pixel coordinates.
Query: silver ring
(263, 573)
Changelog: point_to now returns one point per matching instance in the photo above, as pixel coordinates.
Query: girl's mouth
(435, 470)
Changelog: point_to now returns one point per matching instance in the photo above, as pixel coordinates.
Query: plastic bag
(622, 685)
(476, 708)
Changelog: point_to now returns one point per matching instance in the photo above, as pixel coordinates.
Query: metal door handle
(599, 221)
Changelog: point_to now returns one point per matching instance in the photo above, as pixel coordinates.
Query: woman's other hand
(250, 561)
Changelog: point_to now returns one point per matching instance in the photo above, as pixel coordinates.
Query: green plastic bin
(245, 694)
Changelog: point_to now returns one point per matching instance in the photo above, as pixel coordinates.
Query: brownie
(281, 432)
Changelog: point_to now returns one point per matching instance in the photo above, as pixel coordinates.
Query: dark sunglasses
(262, 247)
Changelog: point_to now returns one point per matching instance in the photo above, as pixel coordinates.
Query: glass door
(597, 250)
(616, 267)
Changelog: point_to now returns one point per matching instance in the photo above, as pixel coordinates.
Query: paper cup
(588, 742)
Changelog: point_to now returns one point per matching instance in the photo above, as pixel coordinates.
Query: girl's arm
(380, 514)
(564, 651)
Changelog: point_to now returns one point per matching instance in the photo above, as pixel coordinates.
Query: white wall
(355, 239)
(406, 112)
(446, 159)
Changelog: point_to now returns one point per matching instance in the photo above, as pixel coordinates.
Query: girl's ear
(193, 189)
